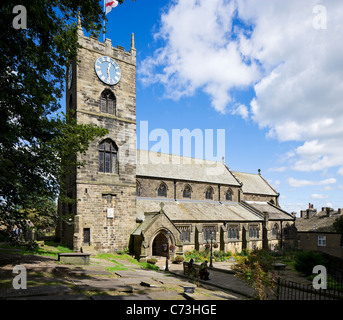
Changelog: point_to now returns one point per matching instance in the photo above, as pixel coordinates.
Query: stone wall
(106, 207)
(309, 241)
(149, 189)
(259, 197)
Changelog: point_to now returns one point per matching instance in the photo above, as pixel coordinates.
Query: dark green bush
(306, 261)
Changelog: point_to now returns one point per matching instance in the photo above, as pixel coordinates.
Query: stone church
(141, 200)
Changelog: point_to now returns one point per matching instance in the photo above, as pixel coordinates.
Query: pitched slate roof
(197, 210)
(254, 183)
(320, 222)
(273, 211)
(148, 220)
(162, 165)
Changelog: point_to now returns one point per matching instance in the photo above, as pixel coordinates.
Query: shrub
(305, 261)
(151, 260)
(178, 258)
(253, 274)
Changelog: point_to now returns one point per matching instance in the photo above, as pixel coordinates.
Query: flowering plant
(252, 272)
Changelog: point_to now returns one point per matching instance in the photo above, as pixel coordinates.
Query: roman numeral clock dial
(107, 70)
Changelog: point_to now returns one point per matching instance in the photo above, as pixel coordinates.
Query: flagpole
(104, 20)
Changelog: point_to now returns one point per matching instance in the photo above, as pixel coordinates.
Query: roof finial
(259, 171)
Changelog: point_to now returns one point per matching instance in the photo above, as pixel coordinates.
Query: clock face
(70, 76)
(107, 70)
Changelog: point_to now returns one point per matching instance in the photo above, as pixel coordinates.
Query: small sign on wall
(110, 212)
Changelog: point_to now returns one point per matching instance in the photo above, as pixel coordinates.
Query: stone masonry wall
(149, 189)
(99, 193)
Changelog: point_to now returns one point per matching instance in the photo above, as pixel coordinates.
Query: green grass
(149, 266)
(50, 249)
(112, 257)
(117, 268)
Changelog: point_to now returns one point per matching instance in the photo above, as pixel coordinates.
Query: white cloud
(241, 110)
(300, 96)
(198, 53)
(327, 188)
(319, 196)
(280, 169)
(304, 183)
(295, 69)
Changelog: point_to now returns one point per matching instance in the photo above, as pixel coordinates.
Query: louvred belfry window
(108, 159)
(108, 102)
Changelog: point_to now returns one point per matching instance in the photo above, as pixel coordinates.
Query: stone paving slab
(127, 273)
(102, 284)
(149, 284)
(35, 291)
(223, 281)
(59, 297)
(201, 296)
(90, 272)
(122, 297)
(166, 295)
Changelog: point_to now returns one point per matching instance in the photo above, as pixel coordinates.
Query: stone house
(144, 200)
(315, 231)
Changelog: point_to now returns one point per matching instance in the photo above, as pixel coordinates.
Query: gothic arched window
(228, 195)
(187, 191)
(275, 230)
(209, 193)
(162, 190)
(254, 232)
(108, 157)
(108, 102)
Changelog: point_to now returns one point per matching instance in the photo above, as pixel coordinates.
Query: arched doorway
(159, 245)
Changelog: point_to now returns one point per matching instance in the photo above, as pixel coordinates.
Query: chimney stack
(327, 210)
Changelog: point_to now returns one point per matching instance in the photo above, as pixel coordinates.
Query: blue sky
(268, 73)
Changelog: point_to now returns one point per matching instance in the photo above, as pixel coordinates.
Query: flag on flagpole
(109, 5)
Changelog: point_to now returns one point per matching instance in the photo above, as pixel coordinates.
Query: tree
(36, 146)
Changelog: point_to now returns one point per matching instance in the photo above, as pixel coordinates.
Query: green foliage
(255, 270)
(32, 75)
(126, 251)
(178, 258)
(254, 274)
(306, 261)
(205, 255)
(338, 226)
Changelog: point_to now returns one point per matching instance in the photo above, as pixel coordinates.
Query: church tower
(101, 88)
